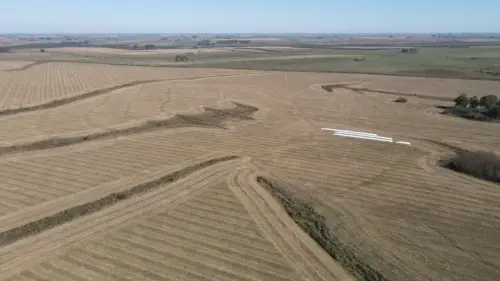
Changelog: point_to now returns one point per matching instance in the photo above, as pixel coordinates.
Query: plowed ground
(391, 205)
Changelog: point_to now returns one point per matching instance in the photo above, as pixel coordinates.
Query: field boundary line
(347, 86)
(296, 246)
(78, 97)
(34, 227)
(48, 208)
(26, 66)
(15, 257)
(219, 116)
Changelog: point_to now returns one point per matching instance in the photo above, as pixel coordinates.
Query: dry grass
(315, 225)
(391, 206)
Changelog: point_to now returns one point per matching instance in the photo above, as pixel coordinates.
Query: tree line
(482, 108)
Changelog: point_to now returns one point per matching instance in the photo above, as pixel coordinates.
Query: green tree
(462, 100)
(494, 112)
(474, 102)
(488, 101)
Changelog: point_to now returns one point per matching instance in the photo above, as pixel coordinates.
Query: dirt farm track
(137, 173)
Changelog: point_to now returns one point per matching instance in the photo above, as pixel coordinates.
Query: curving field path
(200, 228)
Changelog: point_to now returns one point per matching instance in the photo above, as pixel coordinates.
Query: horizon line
(253, 33)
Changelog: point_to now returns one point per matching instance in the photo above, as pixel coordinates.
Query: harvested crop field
(136, 173)
(112, 51)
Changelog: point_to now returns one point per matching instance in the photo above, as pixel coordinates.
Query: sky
(251, 16)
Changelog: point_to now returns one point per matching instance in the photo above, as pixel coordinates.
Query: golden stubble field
(173, 155)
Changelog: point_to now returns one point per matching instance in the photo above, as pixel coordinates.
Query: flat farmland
(99, 197)
(112, 51)
(47, 81)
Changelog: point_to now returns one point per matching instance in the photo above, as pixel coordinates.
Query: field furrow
(60, 239)
(78, 136)
(300, 250)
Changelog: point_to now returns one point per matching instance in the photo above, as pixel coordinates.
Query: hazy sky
(163, 16)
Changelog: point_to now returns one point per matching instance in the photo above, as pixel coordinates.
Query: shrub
(488, 101)
(409, 50)
(42, 50)
(481, 164)
(181, 58)
(462, 100)
(328, 88)
(401, 99)
(474, 102)
(477, 114)
(485, 108)
(494, 112)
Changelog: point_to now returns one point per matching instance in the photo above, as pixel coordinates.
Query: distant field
(83, 50)
(461, 63)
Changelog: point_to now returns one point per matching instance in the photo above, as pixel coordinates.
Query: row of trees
(147, 46)
(409, 50)
(488, 105)
(487, 101)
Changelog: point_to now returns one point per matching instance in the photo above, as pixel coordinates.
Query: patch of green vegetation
(428, 62)
(446, 62)
(314, 224)
(486, 108)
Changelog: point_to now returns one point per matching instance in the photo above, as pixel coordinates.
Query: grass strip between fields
(209, 118)
(330, 88)
(315, 225)
(74, 98)
(12, 235)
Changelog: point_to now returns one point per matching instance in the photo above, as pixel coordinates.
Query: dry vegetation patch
(52, 221)
(210, 118)
(314, 224)
(481, 164)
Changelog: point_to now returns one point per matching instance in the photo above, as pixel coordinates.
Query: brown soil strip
(315, 225)
(210, 118)
(71, 99)
(32, 228)
(329, 88)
